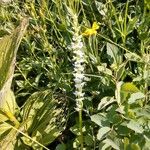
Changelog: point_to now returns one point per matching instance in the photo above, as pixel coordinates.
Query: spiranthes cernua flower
(77, 48)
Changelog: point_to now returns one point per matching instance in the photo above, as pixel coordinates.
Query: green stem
(125, 24)
(146, 84)
(80, 128)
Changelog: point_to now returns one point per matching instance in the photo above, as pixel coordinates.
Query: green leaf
(101, 8)
(123, 90)
(111, 143)
(135, 96)
(8, 49)
(75, 129)
(133, 57)
(9, 104)
(3, 128)
(135, 126)
(103, 146)
(104, 70)
(89, 140)
(99, 119)
(114, 54)
(123, 130)
(102, 132)
(129, 87)
(120, 71)
(61, 147)
(131, 24)
(44, 114)
(144, 112)
(135, 147)
(105, 102)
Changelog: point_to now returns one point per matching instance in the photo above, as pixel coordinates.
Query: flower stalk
(78, 73)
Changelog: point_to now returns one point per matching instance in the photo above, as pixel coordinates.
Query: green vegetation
(75, 74)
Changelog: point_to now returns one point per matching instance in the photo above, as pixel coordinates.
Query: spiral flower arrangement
(78, 62)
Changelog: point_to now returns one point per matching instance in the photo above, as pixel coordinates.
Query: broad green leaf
(135, 147)
(102, 132)
(123, 130)
(135, 126)
(104, 146)
(129, 87)
(135, 96)
(4, 130)
(114, 55)
(103, 68)
(144, 112)
(111, 143)
(133, 57)
(9, 104)
(8, 49)
(123, 90)
(46, 115)
(99, 119)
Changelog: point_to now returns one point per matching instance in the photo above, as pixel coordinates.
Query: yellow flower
(91, 31)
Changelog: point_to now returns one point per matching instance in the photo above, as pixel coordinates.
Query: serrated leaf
(102, 132)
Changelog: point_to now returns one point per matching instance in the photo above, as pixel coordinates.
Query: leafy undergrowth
(82, 75)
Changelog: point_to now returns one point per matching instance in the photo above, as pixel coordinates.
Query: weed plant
(82, 75)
